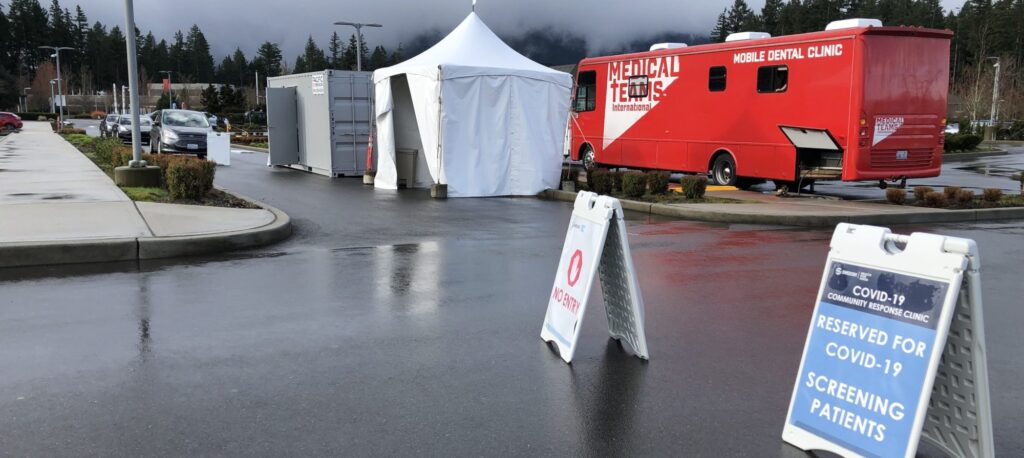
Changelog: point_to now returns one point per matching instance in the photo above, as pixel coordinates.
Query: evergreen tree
(721, 29)
(197, 55)
(378, 59)
(5, 42)
(771, 16)
(397, 56)
(176, 54)
(268, 61)
(29, 27)
(210, 98)
(741, 18)
(312, 58)
(335, 49)
(348, 56)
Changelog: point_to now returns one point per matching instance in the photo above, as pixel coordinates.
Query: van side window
(638, 86)
(586, 91)
(716, 79)
(773, 78)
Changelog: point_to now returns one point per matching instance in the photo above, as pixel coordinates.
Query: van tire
(723, 172)
(588, 158)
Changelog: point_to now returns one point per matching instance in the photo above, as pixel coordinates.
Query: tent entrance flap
(407, 134)
(282, 125)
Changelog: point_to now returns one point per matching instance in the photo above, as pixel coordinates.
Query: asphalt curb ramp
(24, 254)
(936, 216)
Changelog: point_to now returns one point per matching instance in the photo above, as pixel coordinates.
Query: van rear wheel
(723, 172)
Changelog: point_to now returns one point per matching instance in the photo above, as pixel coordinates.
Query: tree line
(98, 59)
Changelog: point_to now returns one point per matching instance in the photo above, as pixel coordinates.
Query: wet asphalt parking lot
(393, 324)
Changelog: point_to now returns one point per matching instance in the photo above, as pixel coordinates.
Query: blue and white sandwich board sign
(595, 242)
(895, 351)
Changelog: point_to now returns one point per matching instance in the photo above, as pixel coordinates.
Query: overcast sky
(247, 23)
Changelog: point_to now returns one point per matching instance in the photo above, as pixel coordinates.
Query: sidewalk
(57, 207)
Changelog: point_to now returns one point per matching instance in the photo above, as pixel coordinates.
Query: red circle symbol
(575, 266)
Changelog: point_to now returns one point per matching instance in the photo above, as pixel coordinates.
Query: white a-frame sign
(596, 238)
(896, 350)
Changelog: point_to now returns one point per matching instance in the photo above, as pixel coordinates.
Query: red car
(9, 121)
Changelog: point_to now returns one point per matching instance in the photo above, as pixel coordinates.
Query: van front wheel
(588, 158)
(723, 172)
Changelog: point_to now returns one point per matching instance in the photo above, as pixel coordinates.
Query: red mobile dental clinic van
(855, 102)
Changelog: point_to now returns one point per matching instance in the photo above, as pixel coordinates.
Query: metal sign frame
(953, 409)
(596, 231)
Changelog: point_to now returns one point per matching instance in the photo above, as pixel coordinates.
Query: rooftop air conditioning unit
(855, 23)
(658, 46)
(740, 36)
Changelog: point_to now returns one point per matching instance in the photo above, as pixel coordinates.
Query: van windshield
(185, 119)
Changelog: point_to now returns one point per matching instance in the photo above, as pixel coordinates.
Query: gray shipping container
(321, 121)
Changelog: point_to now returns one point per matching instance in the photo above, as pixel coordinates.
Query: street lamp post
(359, 40)
(60, 90)
(133, 84)
(53, 102)
(24, 92)
(995, 99)
(170, 91)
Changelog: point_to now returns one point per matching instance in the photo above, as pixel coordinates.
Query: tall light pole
(359, 40)
(995, 99)
(133, 84)
(60, 90)
(53, 102)
(170, 91)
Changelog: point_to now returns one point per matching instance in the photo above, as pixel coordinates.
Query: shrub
(921, 191)
(971, 142)
(163, 161)
(694, 186)
(964, 196)
(951, 192)
(120, 157)
(600, 181)
(570, 174)
(72, 131)
(634, 184)
(896, 196)
(961, 142)
(657, 182)
(935, 199)
(190, 178)
(616, 181)
(992, 194)
(103, 149)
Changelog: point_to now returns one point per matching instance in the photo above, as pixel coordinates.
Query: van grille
(888, 159)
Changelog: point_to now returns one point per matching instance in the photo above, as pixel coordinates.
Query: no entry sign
(595, 242)
(874, 380)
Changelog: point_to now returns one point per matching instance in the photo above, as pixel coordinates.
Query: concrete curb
(936, 216)
(972, 155)
(262, 150)
(23, 254)
(192, 245)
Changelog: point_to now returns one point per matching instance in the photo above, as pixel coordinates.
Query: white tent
(482, 118)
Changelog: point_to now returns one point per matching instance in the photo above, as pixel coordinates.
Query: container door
(282, 126)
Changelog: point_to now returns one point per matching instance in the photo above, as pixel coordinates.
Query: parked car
(108, 124)
(180, 131)
(953, 128)
(124, 129)
(10, 121)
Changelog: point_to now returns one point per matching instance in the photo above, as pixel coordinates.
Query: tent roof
(472, 45)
